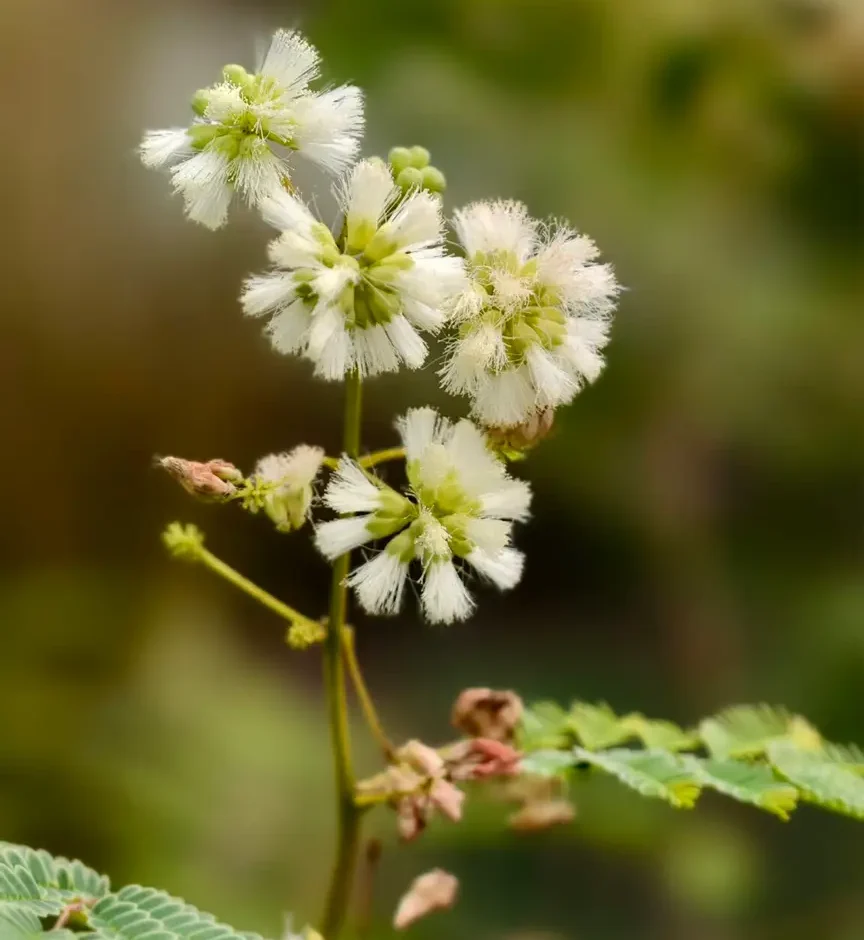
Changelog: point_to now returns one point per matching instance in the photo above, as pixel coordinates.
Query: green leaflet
(744, 730)
(757, 754)
(34, 886)
(665, 735)
(820, 778)
(545, 725)
(658, 774)
(597, 726)
(746, 782)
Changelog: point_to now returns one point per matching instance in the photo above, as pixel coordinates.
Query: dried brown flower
(481, 758)
(434, 891)
(486, 713)
(526, 435)
(213, 480)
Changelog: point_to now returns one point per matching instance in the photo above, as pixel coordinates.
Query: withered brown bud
(421, 758)
(526, 435)
(213, 480)
(543, 814)
(480, 759)
(485, 713)
(434, 891)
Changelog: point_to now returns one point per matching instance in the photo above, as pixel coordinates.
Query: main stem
(348, 815)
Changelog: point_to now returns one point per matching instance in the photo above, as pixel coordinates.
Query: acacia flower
(291, 476)
(247, 125)
(460, 504)
(356, 301)
(530, 326)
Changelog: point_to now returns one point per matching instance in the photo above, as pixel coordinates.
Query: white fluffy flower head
(288, 480)
(460, 504)
(248, 124)
(532, 322)
(358, 301)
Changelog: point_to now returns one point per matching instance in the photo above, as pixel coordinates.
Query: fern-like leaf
(545, 726)
(658, 774)
(660, 735)
(820, 777)
(744, 730)
(745, 782)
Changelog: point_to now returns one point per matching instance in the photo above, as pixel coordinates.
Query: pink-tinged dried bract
(434, 891)
(542, 814)
(480, 759)
(486, 713)
(213, 480)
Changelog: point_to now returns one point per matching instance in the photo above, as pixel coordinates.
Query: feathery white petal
(350, 490)
(511, 499)
(208, 203)
(329, 126)
(496, 226)
(286, 213)
(162, 147)
(490, 536)
(445, 598)
(373, 351)
(341, 535)
(380, 583)
(259, 174)
(367, 191)
(264, 293)
(422, 316)
(418, 428)
(407, 342)
(291, 60)
(506, 399)
(504, 569)
(552, 384)
(417, 222)
(288, 328)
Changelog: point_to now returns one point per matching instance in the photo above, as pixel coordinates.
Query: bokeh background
(699, 529)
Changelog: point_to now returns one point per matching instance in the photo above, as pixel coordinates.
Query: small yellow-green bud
(410, 178)
(202, 134)
(420, 157)
(236, 74)
(400, 159)
(184, 541)
(200, 101)
(434, 180)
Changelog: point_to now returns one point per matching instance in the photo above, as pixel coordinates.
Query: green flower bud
(200, 101)
(420, 157)
(410, 178)
(184, 541)
(200, 135)
(402, 546)
(434, 180)
(383, 304)
(400, 159)
(237, 75)
(227, 144)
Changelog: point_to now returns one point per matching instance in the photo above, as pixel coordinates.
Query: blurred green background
(699, 528)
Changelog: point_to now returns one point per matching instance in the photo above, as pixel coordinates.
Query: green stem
(366, 702)
(217, 566)
(382, 456)
(348, 815)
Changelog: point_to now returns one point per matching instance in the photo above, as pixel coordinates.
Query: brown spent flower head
(542, 814)
(486, 713)
(480, 759)
(213, 480)
(434, 891)
(416, 786)
(526, 435)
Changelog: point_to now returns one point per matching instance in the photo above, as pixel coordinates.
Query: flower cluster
(247, 125)
(358, 299)
(531, 323)
(460, 504)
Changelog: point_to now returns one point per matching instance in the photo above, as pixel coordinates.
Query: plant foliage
(751, 753)
(45, 896)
